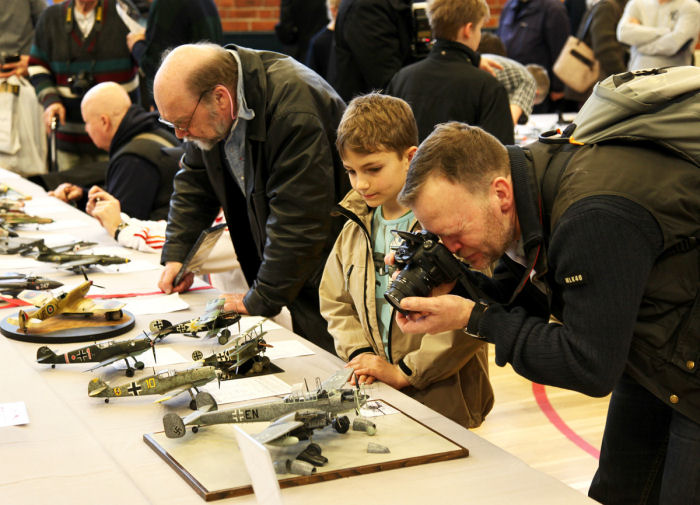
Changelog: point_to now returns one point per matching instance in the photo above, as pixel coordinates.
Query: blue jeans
(650, 453)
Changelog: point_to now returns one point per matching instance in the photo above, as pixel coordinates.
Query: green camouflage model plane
(170, 382)
(75, 261)
(102, 353)
(215, 318)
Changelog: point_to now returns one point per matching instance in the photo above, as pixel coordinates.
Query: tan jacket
(448, 371)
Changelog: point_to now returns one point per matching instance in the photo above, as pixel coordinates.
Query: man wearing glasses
(260, 132)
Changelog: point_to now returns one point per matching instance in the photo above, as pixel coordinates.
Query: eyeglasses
(189, 122)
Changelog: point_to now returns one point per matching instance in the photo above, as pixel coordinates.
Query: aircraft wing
(337, 380)
(212, 310)
(174, 392)
(36, 298)
(108, 304)
(276, 430)
(87, 261)
(111, 360)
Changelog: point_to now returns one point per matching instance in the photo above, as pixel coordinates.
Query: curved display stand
(65, 329)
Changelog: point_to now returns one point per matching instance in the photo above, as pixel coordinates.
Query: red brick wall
(261, 15)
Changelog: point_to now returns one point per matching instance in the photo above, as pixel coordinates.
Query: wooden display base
(210, 462)
(65, 329)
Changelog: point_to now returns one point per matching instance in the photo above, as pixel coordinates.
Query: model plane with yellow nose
(72, 302)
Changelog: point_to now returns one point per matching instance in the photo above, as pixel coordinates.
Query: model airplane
(11, 204)
(13, 283)
(292, 418)
(246, 353)
(15, 217)
(213, 320)
(71, 303)
(172, 382)
(75, 261)
(8, 192)
(103, 353)
(14, 245)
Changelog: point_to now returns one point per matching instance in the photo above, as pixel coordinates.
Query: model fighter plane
(293, 418)
(215, 318)
(14, 283)
(71, 303)
(102, 353)
(75, 261)
(170, 382)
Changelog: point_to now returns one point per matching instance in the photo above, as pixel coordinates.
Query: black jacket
(295, 181)
(448, 86)
(142, 187)
(373, 41)
(624, 299)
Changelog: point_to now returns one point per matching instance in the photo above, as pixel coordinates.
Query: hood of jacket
(137, 120)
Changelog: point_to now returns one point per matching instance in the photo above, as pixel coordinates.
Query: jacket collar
(444, 47)
(254, 89)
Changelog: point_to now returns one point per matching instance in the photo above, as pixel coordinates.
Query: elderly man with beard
(260, 131)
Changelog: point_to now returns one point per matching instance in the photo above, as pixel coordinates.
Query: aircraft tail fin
(96, 387)
(159, 327)
(45, 355)
(22, 319)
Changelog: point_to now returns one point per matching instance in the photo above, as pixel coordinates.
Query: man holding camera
(77, 44)
(591, 292)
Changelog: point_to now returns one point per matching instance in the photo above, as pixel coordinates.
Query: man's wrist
(119, 228)
(472, 327)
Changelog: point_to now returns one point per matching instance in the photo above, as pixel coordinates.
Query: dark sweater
(131, 179)
(172, 23)
(449, 86)
(57, 55)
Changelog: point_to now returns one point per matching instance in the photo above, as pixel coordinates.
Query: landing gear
(129, 372)
(224, 335)
(341, 424)
(139, 365)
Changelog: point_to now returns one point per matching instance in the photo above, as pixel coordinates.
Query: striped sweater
(60, 51)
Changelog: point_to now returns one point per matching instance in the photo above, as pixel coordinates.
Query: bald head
(191, 69)
(103, 107)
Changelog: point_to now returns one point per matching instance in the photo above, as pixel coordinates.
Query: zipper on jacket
(347, 279)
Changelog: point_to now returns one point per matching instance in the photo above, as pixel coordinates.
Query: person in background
(660, 33)
(518, 81)
(448, 84)
(601, 37)
(78, 44)
(140, 173)
(22, 134)
(377, 139)
(321, 54)
(172, 23)
(299, 21)
(535, 31)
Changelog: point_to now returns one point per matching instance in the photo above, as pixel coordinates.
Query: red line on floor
(546, 407)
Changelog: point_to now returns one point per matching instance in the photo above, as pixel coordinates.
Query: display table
(79, 450)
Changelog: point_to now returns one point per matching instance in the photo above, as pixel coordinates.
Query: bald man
(261, 144)
(141, 168)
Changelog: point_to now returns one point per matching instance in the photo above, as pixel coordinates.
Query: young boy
(448, 372)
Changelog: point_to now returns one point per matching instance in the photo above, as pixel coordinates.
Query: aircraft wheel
(195, 429)
(129, 372)
(257, 367)
(53, 366)
(139, 365)
(106, 400)
(193, 405)
(224, 336)
(341, 424)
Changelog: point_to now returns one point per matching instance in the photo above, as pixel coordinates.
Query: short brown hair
(446, 17)
(460, 153)
(376, 122)
(539, 73)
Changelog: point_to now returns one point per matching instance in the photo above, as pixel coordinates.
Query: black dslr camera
(424, 262)
(81, 82)
(422, 34)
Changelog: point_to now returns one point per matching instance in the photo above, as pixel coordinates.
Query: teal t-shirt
(382, 241)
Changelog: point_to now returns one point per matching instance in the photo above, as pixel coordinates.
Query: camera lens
(413, 282)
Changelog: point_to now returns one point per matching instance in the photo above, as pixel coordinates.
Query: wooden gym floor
(553, 430)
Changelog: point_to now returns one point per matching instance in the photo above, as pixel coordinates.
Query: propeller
(358, 391)
(153, 346)
(86, 278)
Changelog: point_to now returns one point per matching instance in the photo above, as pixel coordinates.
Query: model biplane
(245, 354)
